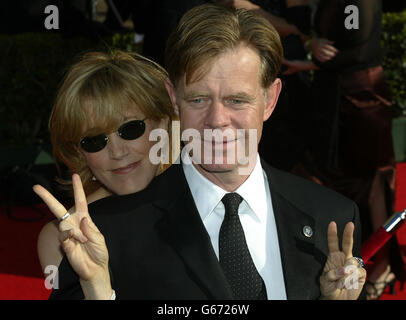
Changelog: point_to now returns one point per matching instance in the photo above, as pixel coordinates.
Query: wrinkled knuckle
(351, 262)
(64, 226)
(64, 245)
(81, 203)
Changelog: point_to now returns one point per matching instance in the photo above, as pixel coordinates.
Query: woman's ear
(172, 95)
(272, 95)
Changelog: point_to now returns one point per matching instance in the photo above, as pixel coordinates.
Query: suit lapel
(294, 245)
(183, 229)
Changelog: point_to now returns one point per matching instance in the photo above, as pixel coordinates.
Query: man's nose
(117, 147)
(217, 116)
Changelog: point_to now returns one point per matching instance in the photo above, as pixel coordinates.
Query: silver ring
(65, 216)
(360, 262)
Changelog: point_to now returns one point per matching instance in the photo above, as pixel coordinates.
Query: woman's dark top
(358, 48)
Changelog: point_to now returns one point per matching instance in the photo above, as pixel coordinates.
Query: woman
(100, 124)
(353, 101)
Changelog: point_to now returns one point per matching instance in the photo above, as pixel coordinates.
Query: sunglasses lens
(128, 131)
(93, 144)
(132, 130)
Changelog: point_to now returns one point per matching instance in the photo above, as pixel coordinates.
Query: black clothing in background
(17, 16)
(393, 5)
(288, 132)
(21, 16)
(156, 19)
(353, 100)
(358, 48)
(297, 15)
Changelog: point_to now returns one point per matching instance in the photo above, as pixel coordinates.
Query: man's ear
(272, 95)
(171, 91)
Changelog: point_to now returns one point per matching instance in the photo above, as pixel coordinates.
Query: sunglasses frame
(106, 138)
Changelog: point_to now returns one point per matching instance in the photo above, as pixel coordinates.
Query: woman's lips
(126, 169)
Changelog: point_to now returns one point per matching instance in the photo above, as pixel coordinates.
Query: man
(210, 230)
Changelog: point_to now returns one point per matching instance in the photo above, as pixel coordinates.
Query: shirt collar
(207, 195)
(253, 191)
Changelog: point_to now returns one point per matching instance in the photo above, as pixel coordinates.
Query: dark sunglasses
(128, 131)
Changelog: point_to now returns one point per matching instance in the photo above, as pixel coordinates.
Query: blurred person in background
(354, 148)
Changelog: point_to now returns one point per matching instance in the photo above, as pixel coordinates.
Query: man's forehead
(222, 84)
(244, 59)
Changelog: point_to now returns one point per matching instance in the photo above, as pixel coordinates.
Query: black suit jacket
(160, 249)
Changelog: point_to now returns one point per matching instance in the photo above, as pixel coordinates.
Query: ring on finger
(65, 216)
(360, 262)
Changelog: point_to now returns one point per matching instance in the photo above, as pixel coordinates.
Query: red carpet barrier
(371, 246)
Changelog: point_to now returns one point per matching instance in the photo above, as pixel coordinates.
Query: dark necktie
(234, 256)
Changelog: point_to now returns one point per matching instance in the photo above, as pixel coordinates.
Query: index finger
(348, 240)
(332, 238)
(331, 49)
(54, 205)
(79, 194)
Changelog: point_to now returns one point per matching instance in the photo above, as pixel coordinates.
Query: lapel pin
(307, 231)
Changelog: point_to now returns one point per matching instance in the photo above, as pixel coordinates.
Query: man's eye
(196, 101)
(236, 101)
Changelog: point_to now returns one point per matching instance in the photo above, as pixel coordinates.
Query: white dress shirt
(256, 216)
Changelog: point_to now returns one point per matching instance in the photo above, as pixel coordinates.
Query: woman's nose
(117, 147)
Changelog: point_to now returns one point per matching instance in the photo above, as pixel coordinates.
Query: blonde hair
(208, 30)
(96, 93)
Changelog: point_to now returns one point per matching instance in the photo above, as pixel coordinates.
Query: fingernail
(83, 239)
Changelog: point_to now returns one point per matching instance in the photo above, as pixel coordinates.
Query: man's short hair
(207, 31)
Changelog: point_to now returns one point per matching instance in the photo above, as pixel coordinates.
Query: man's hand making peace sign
(343, 277)
(82, 242)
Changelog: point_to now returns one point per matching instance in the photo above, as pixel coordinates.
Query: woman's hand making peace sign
(82, 242)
